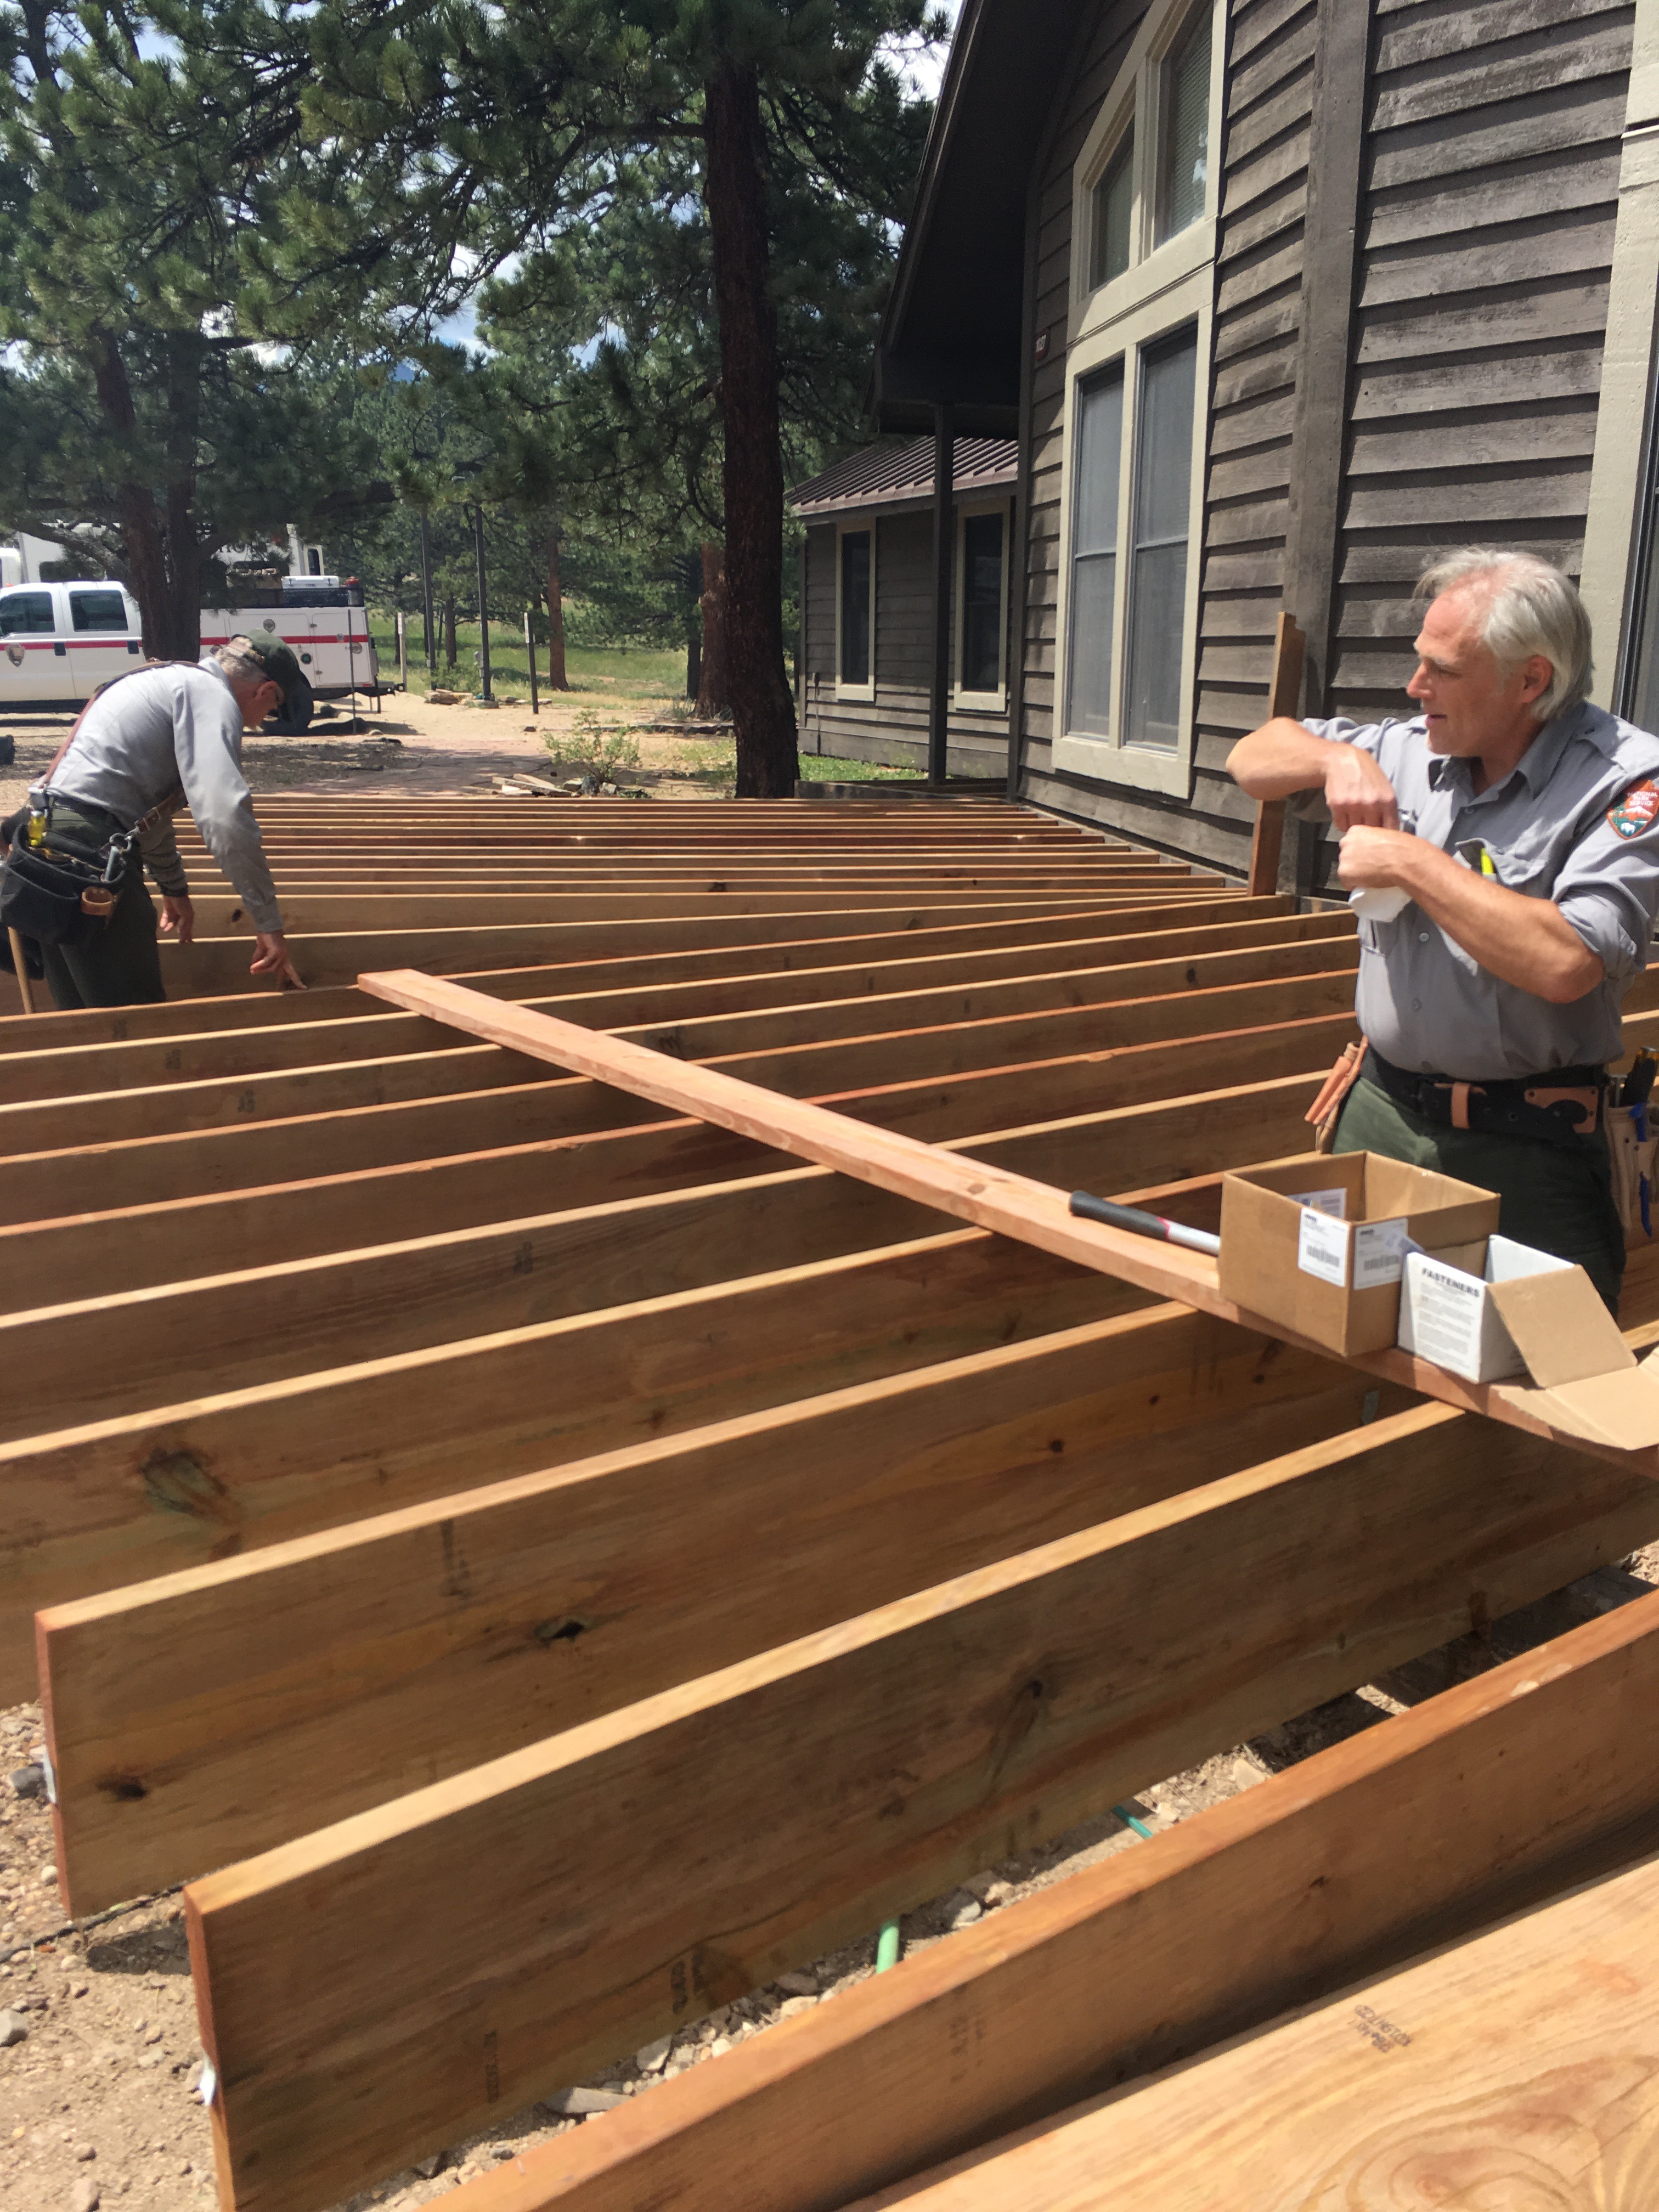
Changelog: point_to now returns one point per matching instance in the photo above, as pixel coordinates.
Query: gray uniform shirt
(147, 736)
(1573, 823)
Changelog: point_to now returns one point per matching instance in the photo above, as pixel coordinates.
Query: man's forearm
(1279, 759)
(1525, 941)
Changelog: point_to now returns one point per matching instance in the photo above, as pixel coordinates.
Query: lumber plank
(377, 1664)
(767, 1050)
(213, 966)
(652, 956)
(140, 1170)
(766, 1811)
(968, 1190)
(1538, 1773)
(257, 1465)
(1519, 2066)
(782, 1012)
(178, 1240)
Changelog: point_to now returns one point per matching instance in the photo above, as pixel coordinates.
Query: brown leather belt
(1559, 1108)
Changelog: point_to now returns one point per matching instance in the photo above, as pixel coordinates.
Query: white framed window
(981, 675)
(1143, 185)
(855, 611)
(1144, 239)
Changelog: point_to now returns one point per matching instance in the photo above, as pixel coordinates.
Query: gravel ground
(99, 2100)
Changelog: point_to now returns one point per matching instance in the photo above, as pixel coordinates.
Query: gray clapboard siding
(1485, 230)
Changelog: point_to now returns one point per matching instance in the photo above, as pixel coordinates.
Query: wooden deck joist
(1537, 1775)
(424, 1376)
(482, 1951)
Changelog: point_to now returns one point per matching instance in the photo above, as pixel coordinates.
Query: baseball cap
(274, 657)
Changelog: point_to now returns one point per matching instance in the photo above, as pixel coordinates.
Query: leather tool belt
(1559, 1108)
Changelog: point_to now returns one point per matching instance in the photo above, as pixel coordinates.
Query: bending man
(1519, 822)
(149, 743)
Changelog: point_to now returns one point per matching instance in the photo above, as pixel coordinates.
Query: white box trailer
(59, 642)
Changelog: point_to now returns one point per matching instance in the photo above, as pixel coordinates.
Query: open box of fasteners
(1509, 1310)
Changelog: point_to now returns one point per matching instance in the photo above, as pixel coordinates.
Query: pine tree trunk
(449, 633)
(556, 678)
(714, 677)
(184, 555)
(735, 192)
(141, 525)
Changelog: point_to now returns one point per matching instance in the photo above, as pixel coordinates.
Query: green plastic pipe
(887, 1943)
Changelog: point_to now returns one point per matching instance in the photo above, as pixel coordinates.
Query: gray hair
(239, 664)
(1530, 608)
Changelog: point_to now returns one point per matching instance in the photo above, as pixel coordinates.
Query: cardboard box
(1318, 1242)
(1452, 1307)
(1510, 1310)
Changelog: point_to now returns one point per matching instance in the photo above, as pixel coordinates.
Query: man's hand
(177, 918)
(273, 958)
(1377, 859)
(1357, 794)
(1282, 758)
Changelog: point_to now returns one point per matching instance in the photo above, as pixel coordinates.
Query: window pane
(1098, 465)
(1094, 555)
(26, 611)
(856, 607)
(1157, 553)
(1185, 130)
(981, 603)
(1094, 580)
(1158, 544)
(103, 610)
(1114, 205)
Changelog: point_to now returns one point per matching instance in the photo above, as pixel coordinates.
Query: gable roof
(954, 329)
(884, 474)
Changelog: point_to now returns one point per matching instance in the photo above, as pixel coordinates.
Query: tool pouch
(53, 897)
(1327, 1106)
(1631, 1152)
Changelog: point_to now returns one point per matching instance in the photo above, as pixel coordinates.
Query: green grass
(610, 672)
(821, 767)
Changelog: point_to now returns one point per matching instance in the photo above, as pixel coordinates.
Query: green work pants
(121, 966)
(1556, 1198)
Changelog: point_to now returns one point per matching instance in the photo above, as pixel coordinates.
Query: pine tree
(151, 412)
(754, 154)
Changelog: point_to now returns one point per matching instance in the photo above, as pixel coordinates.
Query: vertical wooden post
(530, 647)
(402, 650)
(1284, 692)
(938, 703)
(25, 989)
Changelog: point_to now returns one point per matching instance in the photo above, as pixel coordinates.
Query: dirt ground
(99, 2103)
(412, 745)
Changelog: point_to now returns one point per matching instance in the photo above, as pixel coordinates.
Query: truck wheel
(294, 718)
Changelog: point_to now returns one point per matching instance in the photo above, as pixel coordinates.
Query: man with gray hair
(149, 743)
(1504, 845)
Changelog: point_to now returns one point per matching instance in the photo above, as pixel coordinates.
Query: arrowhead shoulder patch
(1636, 810)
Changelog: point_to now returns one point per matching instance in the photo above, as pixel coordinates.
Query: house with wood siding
(868, 556)
(1278, 298)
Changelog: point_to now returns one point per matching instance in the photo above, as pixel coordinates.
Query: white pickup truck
(59, 642)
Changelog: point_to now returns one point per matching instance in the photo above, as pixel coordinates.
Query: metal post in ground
(483, 603)
(402, 651)
(430, 633)
(530, 649)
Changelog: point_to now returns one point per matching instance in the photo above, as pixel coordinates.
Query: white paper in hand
(1380, 905)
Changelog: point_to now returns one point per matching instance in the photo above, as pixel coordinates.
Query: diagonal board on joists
(971, 1190)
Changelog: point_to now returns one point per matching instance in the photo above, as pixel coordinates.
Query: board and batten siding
(1488, 202)
(1251, 399)
(892, 728)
